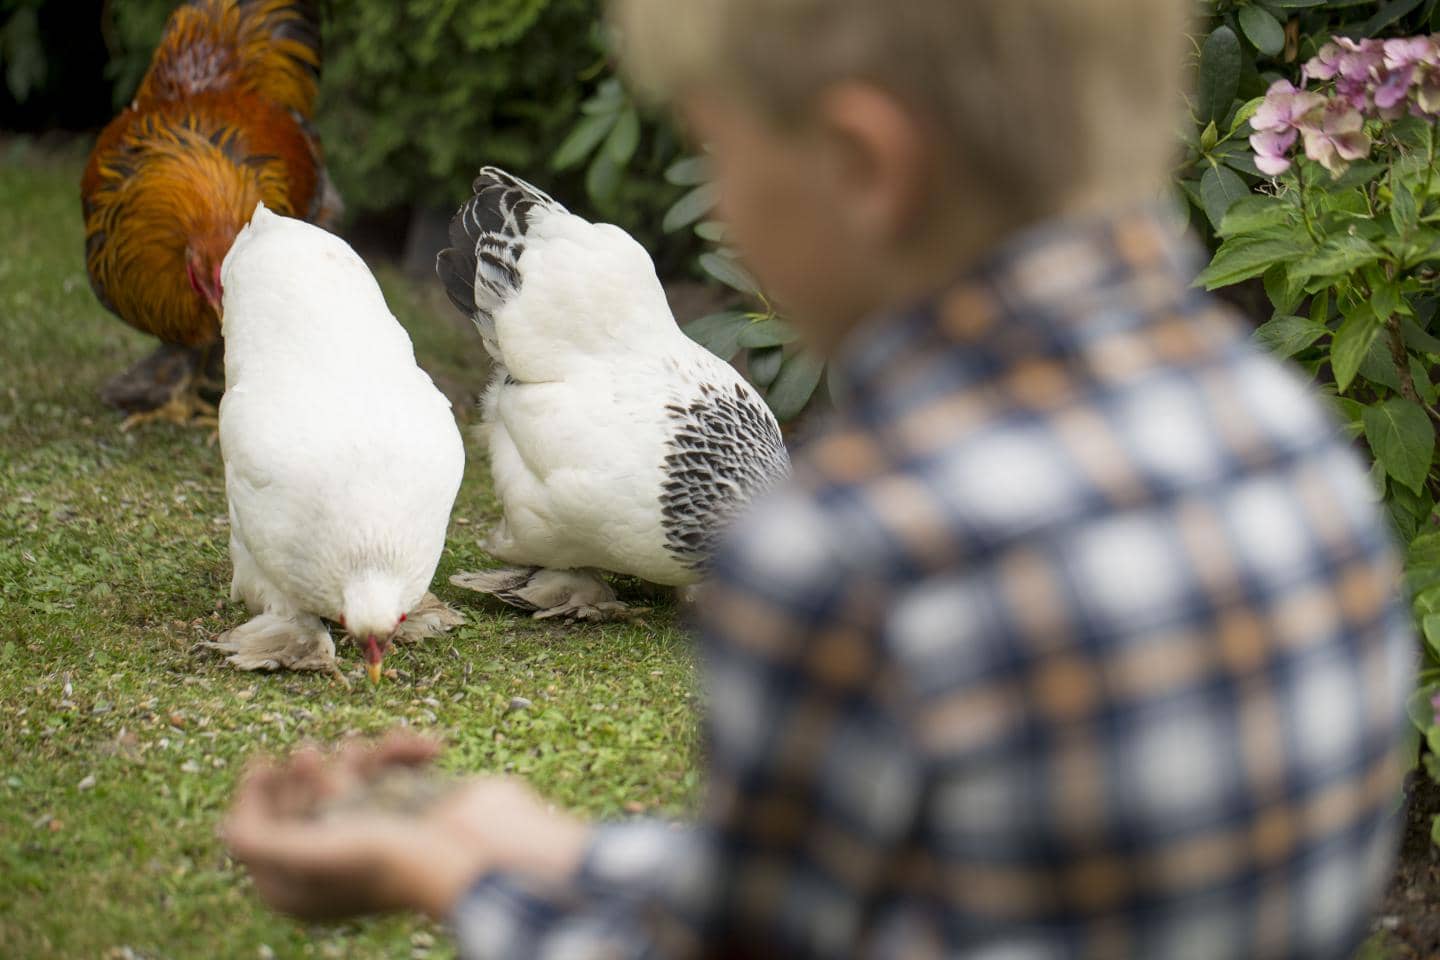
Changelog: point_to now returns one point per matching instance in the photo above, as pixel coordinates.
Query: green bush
(1347, 245)
(416, 95)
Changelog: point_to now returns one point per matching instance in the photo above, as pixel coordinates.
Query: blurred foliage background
(415, 96)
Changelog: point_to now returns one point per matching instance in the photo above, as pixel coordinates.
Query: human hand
(318, 865)
(359, 860)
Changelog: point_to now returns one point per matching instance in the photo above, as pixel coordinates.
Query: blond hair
(1040, 100)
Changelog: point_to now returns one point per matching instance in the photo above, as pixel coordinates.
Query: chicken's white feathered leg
(275, 639)
(272, 641)
(573, 594)
(430, 616)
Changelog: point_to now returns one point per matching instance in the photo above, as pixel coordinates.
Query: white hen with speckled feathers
(342, 459)
(616, 442)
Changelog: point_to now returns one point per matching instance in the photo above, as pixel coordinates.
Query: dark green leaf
(1378, 366)
(1349, 411)
(1386, 300)
(1191, 189)
(796, 382)
(763, 365)
(1352, 342)
(1401, 437)
(1416, 338)
(1285, 295)
(602, 179)
(608, 99)
(1432, 629)
(1221, 189)
(689, 208)
(1388, 14)
(1245, 257)
(1360, 174)
(1255, 213)
(1246, 111)
(1244, 161)
(1409, 511)
(1404, 212)
(711, 230)
(624, 139)
(1263, 30)
(719, 332)
(688, 172)
(1419, 709)
(582, 141)
(1220, 61)
(1339, 256)
(1287, 336)
(1421, 376)
(1424, 551)
(769, 332)
(729, 272)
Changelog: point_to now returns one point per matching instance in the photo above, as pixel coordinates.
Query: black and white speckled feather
(616, 442)
(726, 448)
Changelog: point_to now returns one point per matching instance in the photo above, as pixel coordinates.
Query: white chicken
(342, 459)
(616, 442)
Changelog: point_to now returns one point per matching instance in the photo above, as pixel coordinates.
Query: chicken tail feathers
(480, 269)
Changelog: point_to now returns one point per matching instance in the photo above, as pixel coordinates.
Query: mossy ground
(119, 745)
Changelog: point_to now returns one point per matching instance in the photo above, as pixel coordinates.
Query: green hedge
(417, 94)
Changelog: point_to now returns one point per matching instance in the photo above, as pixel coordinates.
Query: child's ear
(883, 159)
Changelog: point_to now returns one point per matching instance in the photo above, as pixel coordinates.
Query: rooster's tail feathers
(480, 268)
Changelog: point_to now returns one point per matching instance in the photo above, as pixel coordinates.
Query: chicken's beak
(374, 656)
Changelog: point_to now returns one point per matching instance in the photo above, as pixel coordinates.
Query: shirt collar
(1047, 289)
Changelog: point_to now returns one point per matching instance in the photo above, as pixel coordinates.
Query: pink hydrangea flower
(1410, 51)
(1376, 79)
(1347, 59)
(1335, 137)
(1415, 61)
(1325, 65)
(1277, 125)
(1353, 65)
(1403, 59)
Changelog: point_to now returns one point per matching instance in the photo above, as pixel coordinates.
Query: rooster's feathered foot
(174, 384)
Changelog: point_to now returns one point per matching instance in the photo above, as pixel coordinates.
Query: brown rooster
(220, 122)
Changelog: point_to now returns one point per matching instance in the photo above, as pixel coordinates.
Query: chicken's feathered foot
(274, 642)
(572, 594)
(430, 616)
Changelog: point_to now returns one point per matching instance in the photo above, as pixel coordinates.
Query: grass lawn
(119, 746)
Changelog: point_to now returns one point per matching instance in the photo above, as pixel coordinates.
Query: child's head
(866, 149)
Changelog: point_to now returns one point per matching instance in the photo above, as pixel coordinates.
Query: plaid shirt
(1077, 634)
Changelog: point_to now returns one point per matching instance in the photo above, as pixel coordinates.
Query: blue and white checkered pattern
(1077, 635)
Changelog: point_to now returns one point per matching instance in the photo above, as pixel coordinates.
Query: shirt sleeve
(639, 893)
(811, 781)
